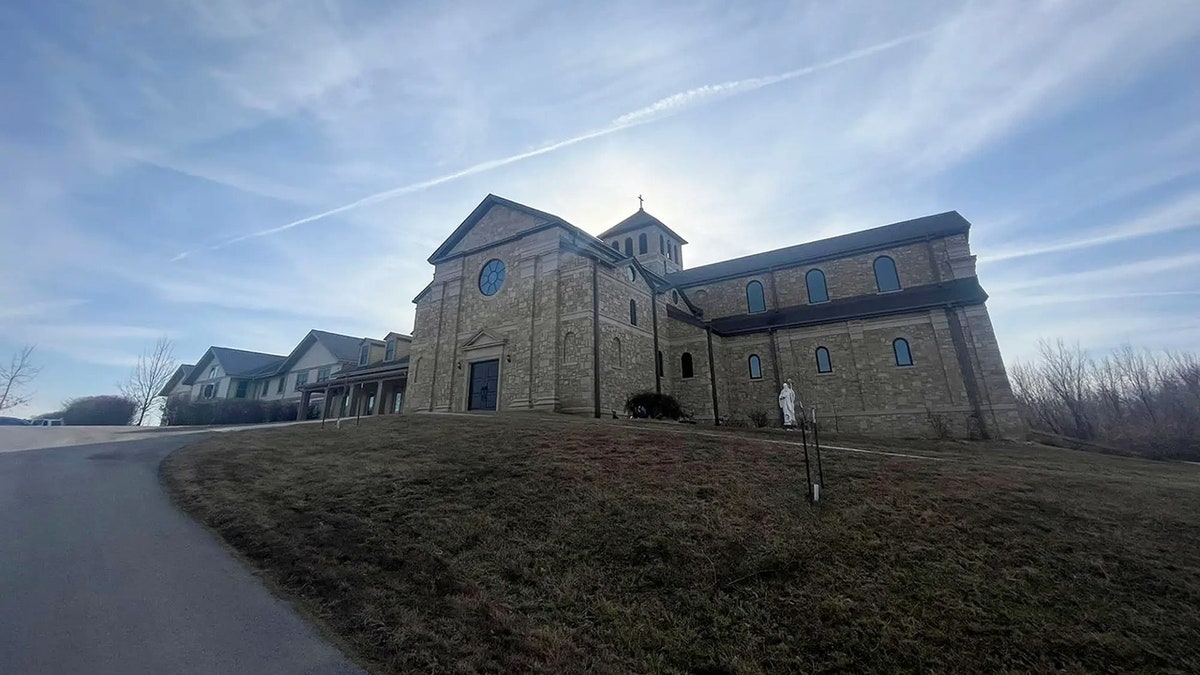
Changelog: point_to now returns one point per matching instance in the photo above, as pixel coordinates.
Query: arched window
(817, 292)
(662, 244)
(658, 363)
(633, 312)
(671, 250)
(642, 245)
(617, 351)
(886, 278)
(903, 353)
(824, 365)
(616, 245)
(569, 346)
(628, 245)
(685, 365)
(755, 300)
(674, 296)
(755, 367)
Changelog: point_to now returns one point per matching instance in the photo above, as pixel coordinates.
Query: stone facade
(562, 331)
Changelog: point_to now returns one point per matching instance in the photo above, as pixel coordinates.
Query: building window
(266, 389)
(242, 389)
(662, 244)
(212, 373)
(628, 245)
(364, 353)
(391, 351)
(208, 391)
(658, 363)
(279, 385)
(817, 292)
(886, 278)
(322, 374)
(824, 365)
(617, 352)
(755, 367)
(616, 246)
(674, 296)
(671, 250)
(569, 347)
(755, 300)
(301, 379)
(685, 365)
(633, 312)
(903, 353)
(491, 277)
(643, 247)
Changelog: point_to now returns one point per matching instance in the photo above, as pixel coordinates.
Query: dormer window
(391, 351)
(212, 373)
(364, 353)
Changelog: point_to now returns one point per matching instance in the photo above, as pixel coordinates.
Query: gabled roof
(342, 347)
(397, 336)
(478, 214)
(237, 363)
(939, 225)
(637, 221)
(178, 376)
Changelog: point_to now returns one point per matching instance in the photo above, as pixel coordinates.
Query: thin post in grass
(807, 471)
(817, 444)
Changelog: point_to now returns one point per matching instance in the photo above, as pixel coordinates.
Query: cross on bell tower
(640, 204)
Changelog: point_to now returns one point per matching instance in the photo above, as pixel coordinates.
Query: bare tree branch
(16, 377)
(149, 376)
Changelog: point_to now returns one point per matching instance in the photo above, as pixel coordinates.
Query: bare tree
(1066, 369)
(16, 377)
(149, 376)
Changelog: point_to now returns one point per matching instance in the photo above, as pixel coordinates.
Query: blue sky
(163, 162)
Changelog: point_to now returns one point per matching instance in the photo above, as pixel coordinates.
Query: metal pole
(807, 472)
(817, 443)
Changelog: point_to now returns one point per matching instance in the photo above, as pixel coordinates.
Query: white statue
(787, 403)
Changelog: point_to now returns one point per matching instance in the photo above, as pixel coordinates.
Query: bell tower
(642, 236)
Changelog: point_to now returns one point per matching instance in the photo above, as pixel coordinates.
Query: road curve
(100, 573)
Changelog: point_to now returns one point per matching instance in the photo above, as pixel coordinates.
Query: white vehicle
(54, 422)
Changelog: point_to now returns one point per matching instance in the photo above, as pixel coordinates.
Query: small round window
(491, 278)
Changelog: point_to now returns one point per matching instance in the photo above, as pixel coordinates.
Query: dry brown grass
(555, 544)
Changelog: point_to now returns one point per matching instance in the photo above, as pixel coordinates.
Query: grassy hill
(556, 544)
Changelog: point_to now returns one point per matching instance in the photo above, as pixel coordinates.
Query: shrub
(758, 417)
(658, 406)
(112, 411)
(179, 411)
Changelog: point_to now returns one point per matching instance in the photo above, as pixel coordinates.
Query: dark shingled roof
(181, 373)
(953, 293)
(940, 225)
(637, 221)
(241, 362)
(343, 347)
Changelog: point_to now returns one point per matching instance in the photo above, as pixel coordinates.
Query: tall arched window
(755, 300)
(824, 365)
(618, 358)
(633, 312)
(628, 245)
(569, 346)
(642, 245)
(755, 367)
(685, 365)
(817, 292)
(903, 353)
(662, 244)
(658, 363)
(616, 245)
(886, 278)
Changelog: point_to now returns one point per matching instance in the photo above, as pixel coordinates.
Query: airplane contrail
(658, 110)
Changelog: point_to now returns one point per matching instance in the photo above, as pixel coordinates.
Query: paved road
(99, 573)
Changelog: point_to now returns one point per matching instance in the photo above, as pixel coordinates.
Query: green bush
(657, 406)
(179, 411)
(759, 417)
(112, 411)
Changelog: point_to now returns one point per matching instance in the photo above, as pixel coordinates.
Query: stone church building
(884, 331)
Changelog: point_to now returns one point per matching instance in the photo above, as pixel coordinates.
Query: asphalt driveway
(99, 573)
